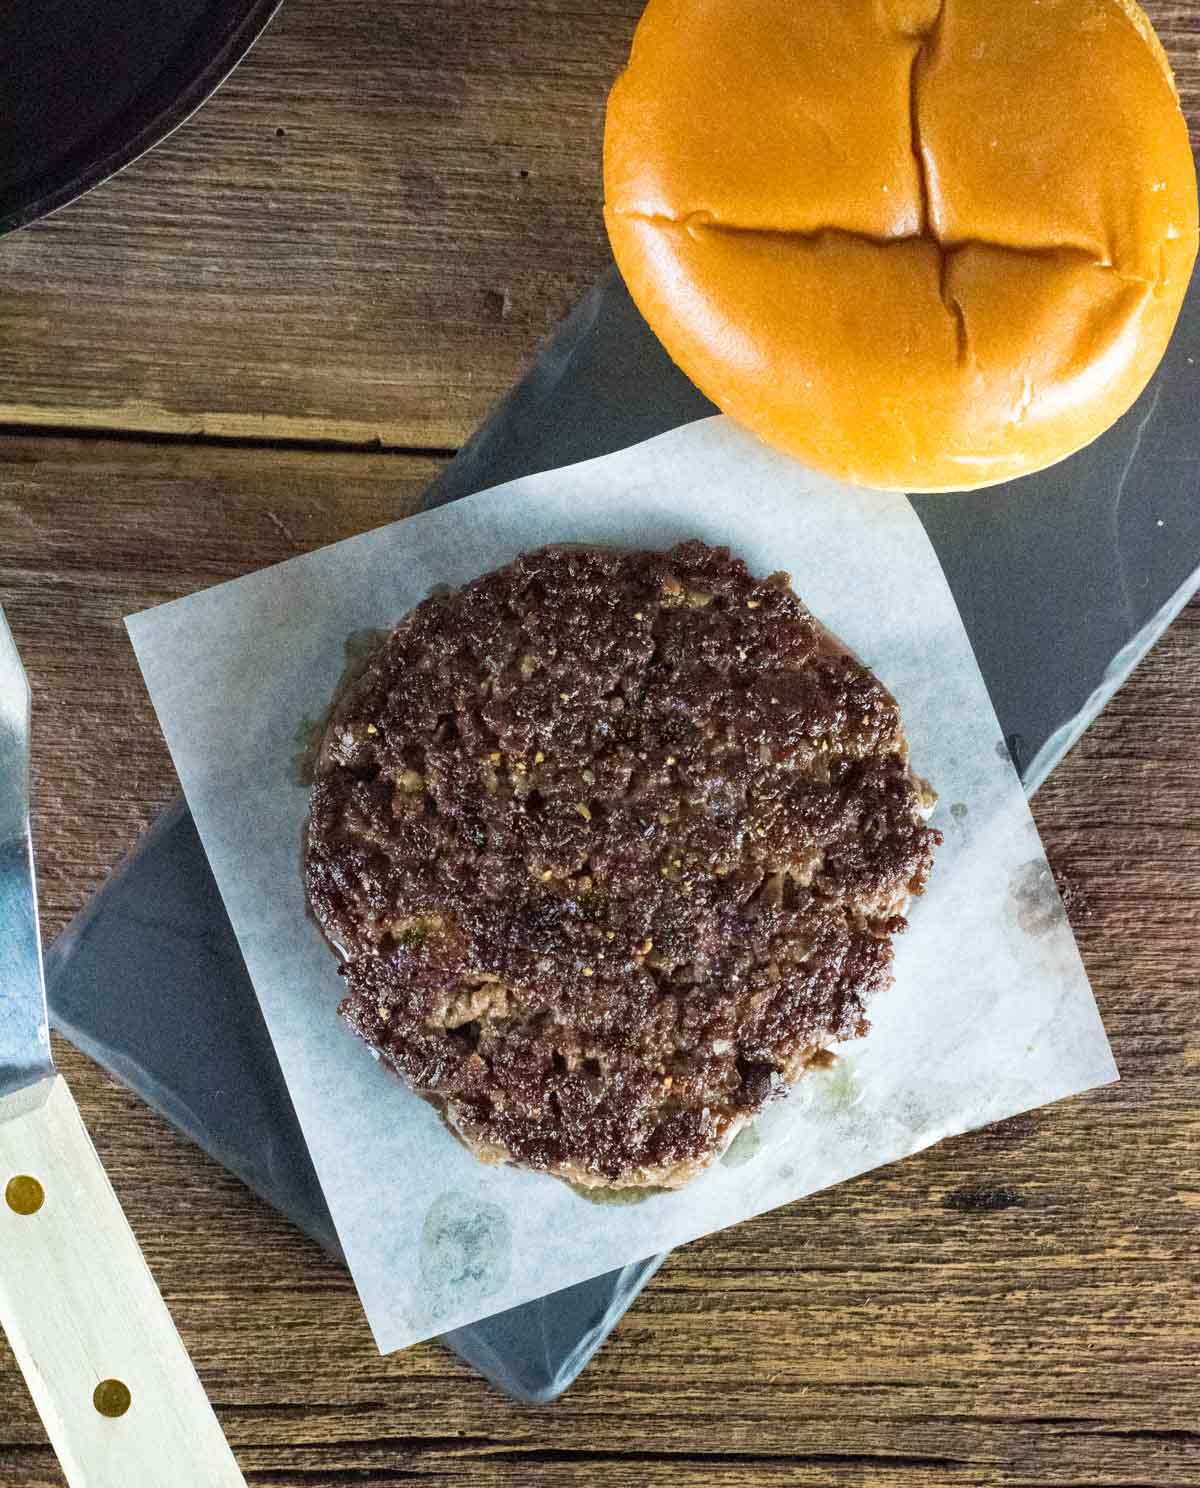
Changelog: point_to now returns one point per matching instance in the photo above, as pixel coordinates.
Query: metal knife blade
(24, 1031)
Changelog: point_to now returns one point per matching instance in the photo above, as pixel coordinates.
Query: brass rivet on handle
(111, 1397)
(24, 1195)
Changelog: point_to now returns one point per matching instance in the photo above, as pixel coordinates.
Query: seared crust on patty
(610, 844)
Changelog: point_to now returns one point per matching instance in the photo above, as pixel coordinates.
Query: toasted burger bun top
(919, 247)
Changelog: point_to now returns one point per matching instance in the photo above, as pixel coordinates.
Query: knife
(109, 1374)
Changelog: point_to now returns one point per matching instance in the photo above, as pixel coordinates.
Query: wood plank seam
(167, 438)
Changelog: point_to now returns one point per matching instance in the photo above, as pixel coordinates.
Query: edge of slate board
(1064, 581)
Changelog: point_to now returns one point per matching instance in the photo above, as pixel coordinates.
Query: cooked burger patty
(611, 845)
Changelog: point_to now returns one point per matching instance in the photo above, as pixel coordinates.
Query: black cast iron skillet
(86, 86)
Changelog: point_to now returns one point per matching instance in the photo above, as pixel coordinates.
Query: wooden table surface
(268, 335)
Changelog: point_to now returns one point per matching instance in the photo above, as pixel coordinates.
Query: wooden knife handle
(85, 1318)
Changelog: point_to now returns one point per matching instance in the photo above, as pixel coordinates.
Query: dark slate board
(1064, 581)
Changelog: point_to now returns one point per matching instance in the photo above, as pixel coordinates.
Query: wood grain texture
(1020, 1306)
(361, 238)
(360, 241)
(94, 530)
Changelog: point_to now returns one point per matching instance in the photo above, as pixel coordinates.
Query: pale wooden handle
(80, 1307)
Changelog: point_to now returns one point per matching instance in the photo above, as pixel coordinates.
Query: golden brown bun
(919, 248)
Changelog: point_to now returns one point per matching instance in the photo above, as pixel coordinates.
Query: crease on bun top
(921, 246)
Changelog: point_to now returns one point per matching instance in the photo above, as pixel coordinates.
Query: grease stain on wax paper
(830, 1084)
(466, 1252)
(1036, 897)
(747, 1144)
(361, 648)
